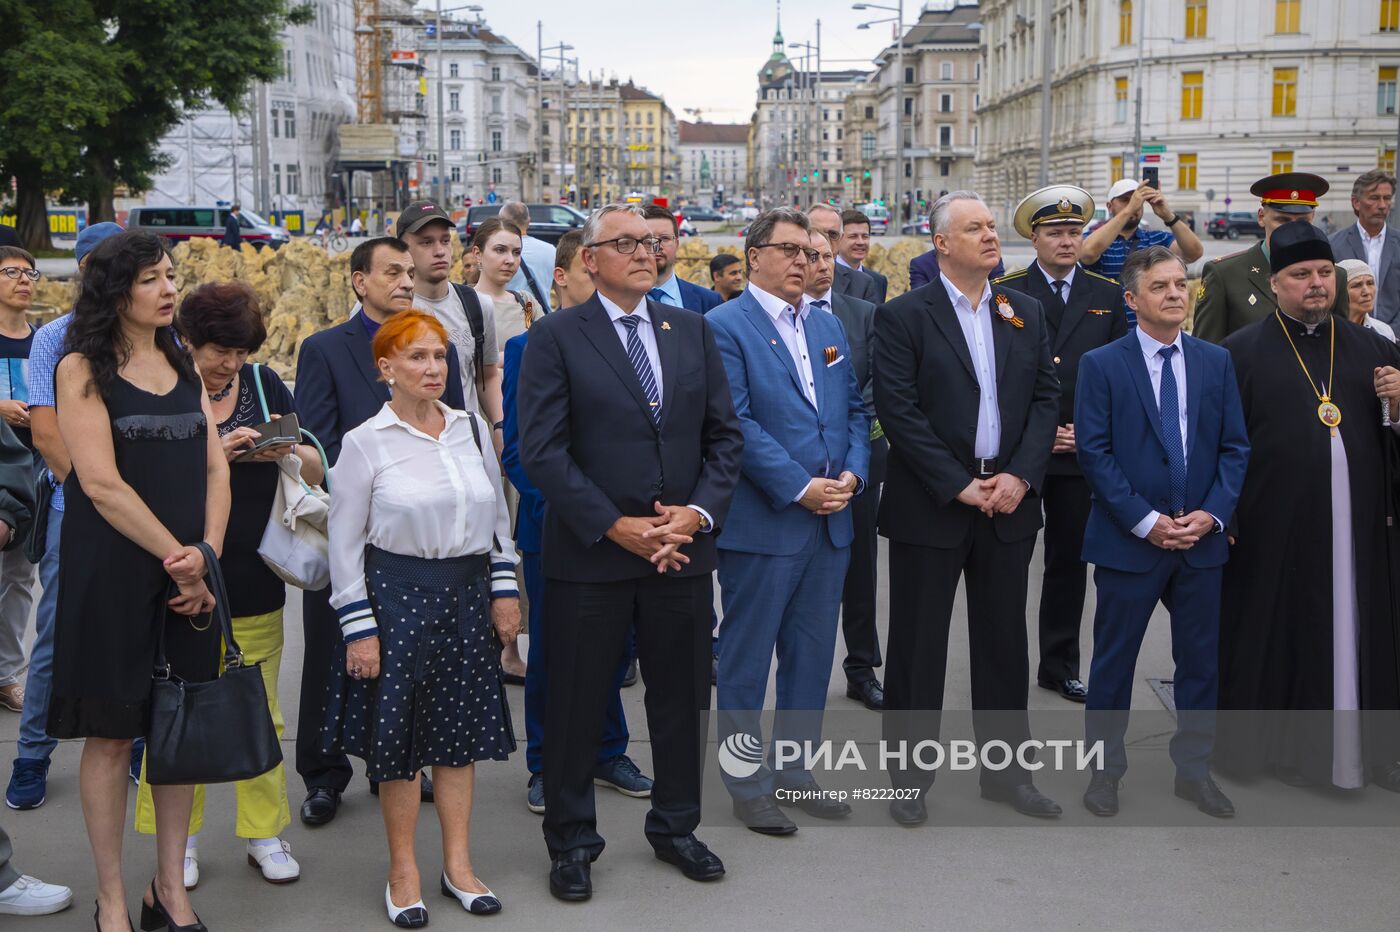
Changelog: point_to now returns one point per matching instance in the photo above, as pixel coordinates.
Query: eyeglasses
(790, 250)
(13, 272)
(666, 239)
(626, 245)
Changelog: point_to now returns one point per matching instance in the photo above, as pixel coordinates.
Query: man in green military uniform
(1234, 289)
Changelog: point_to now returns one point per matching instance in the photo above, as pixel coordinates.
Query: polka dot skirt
(439, 698)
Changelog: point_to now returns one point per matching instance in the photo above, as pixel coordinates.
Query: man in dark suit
(670, 288)
(850, 279)
(858, 596)
(233, 236)
(337, 389)
(1083, 311)
(783, 554)
(854, 246)
(628, 430)
(966, 393)
(1373, 241)
(924, 269)
(1163, 445)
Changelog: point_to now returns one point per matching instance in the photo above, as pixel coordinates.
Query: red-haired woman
(423, 581)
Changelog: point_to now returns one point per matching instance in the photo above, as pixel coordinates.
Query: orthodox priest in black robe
(1309, 678)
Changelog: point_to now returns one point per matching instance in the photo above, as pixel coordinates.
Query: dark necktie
(1060, 290)
(822, 304)
(637, 353)
(1170, 410)
(657, 295)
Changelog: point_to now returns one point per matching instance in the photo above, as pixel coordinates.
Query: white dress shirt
(789, 322)
(404, 492)
(1068, 280)
(1150, 349)
(645, 332)
(1373, 246)
(976, 324)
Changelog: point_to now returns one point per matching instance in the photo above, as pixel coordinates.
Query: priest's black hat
(1295, 242)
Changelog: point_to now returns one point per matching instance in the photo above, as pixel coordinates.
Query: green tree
(125, 72)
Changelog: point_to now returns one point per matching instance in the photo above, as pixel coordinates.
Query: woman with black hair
(149, 481)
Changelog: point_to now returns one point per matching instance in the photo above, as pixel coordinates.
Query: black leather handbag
(213, 732)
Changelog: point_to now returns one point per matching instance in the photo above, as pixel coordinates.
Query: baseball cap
(92, 235)
(1121, 187)
(419, 214)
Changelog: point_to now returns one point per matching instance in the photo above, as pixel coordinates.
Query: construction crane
(696, 113)
(369, 59)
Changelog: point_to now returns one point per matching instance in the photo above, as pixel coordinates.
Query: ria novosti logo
(740, 755)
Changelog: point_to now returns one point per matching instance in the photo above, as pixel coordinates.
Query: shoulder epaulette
(1010, 275)
(1233, 255)
(1112, 281)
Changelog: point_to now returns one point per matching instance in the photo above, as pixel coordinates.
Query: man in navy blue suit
(1161, 438)
(670, 288)
(783, 555)
(338, 388)
(924, 269)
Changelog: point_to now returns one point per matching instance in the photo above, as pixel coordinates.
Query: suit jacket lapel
(761, 322)
(603, 335)
(1388, 253)
(1191, 355)
(358, 345)
(816, 355)
(667, 351)
(841, 283)
(1137, 366)
(946, 319)
(1001, 336)
(1076, 309)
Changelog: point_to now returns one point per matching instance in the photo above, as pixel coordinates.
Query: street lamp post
(442, 186)
(898, 20)
(560, 49)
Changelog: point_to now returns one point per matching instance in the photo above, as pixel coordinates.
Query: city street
(1074, 875)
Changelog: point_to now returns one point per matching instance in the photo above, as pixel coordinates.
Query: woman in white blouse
(1361, 297)
(423, 581)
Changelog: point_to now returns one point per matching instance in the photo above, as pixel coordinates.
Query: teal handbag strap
(267, 416)
(262, 395)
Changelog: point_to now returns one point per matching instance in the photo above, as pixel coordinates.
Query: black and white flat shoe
(413, 916)
(478, 904)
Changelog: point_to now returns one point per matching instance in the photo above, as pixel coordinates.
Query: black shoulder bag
(471, 304)
(214, 732)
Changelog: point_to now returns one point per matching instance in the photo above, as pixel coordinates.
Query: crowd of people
(625, 439)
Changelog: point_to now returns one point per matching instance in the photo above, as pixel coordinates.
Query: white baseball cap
(1121, 187)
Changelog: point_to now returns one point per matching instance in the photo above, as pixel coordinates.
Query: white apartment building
(714, 161)
(1231, 90)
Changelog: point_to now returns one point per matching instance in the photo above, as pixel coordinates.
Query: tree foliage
(89, 87)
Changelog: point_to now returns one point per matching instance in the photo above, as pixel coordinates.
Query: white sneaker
(30, 897)
(191, 868)
(273, 857)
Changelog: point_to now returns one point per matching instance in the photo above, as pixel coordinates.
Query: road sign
(1151, 159)
(490, 197)
(1227, 202)
(1157, 148)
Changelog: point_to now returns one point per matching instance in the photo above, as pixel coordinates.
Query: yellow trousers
(262, 801)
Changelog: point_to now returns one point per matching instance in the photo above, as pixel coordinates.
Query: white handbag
(294, 544)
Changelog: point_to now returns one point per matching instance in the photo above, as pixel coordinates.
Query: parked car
(697, 214)
(879, 218)
(918, 228)
(1235, 224)
(547, 221)
(184, 223)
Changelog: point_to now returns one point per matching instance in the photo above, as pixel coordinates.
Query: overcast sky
(701, 54)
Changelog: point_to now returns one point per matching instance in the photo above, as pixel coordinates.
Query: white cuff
(1144, 527)
(709, 521)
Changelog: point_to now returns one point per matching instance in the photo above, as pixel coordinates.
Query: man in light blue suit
(670, 288)
(784, 552)
(1162, 441)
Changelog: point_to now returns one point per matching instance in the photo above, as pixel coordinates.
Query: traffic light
(867, 173)
(848, 179)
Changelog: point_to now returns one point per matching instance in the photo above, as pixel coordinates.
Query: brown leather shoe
(12, 697)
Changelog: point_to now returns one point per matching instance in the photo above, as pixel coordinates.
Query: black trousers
(589, 624)
(858, 597)
(923, 585)
(321, 630)
(1067, 502)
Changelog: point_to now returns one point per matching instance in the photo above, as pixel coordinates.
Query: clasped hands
(825, 496)
(999, 494)
(1180, 533)
(186, 567)
(1387, 382)
(658, 538)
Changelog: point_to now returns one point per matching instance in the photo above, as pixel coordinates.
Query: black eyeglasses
(626, 245)
(13, 272)
(790, 250)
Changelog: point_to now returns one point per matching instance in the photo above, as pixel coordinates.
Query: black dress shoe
(1292, 776)
(1207, 797)
(1025, 799)
(630, 677)
(320, 805)
(571, 876)
(689, 854)
(1387, 777)
(1074, 690)
(1101, 798)
(909, 811)
(814, 801)
(761, 814)
(868, 693)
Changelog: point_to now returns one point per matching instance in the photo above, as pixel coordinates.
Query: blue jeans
(34, 744)
(614, 725)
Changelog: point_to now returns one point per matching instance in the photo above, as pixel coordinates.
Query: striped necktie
(637, 353)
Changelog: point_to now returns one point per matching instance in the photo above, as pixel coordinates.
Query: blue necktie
(822, 304)
(1171, 432)
(638, 354)
(659, 296)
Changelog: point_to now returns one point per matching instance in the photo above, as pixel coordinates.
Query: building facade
(1231, 90)
(941, 70)
(652, 142)
(861, 132)
(714, 161)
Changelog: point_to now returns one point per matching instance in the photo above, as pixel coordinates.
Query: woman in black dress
(149, 480)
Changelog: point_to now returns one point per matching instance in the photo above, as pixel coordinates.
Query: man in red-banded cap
(1234, 290)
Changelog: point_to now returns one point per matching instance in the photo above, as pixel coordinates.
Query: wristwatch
(1176, 218)
(704, 521)
(499, 425)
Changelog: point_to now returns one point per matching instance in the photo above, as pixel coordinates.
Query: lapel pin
(1254, 269)
(1252, 299)
(665, 325)
(774, 342)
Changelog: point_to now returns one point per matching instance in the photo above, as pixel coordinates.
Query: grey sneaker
(622, 775)
(534, 794)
